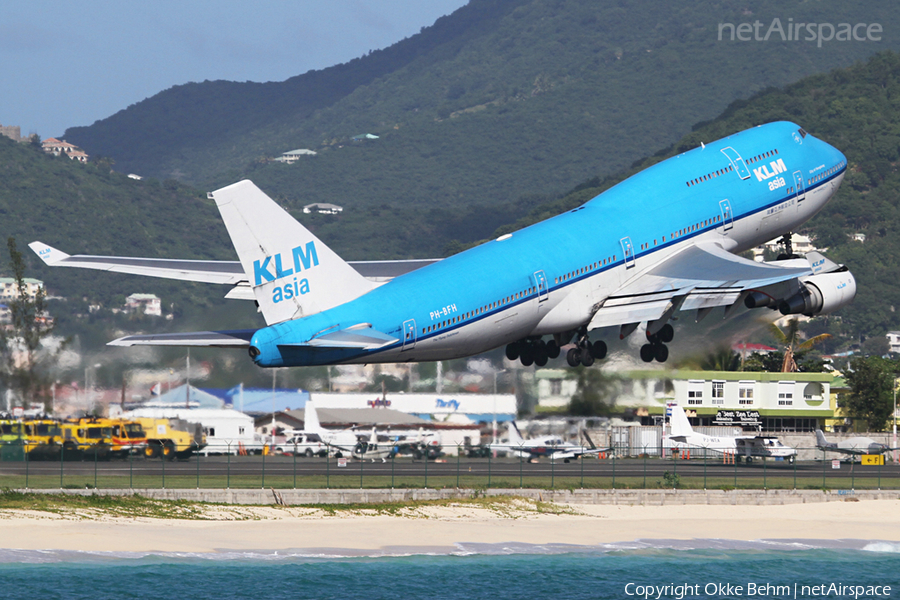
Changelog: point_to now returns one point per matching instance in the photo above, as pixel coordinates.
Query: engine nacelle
(823, 293)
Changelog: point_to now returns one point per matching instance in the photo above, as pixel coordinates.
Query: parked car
(303, 444)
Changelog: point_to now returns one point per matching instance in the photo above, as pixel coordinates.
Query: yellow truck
(171, 438)
(86, 439)
(43, 438)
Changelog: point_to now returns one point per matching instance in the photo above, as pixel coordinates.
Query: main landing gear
(537, 352)
(532, 351)
(585, 352)
(656, 348)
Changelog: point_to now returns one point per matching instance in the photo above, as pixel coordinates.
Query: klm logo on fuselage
(301, 258)
(762, 173)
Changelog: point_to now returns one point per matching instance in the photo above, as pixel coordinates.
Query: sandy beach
(439, 528)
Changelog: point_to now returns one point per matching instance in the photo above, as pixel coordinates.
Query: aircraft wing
(357, 337)
(239, 338)
(206, 271)
(701, 276)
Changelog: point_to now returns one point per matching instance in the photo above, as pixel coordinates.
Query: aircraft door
(540, 282)
(628, 251)
(737, 162)
(727, 215)
(409, 335)
(798, 183)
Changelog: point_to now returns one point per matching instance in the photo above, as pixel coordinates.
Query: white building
(149, 304)
(893, 338)
(554, 387)
(10, 291)
(801, 244)
(323, 208)
(442, 408)
(227, 431)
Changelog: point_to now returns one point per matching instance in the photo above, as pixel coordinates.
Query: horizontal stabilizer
(361, 336)
(210, 339)
(205, 271)
(208, 271)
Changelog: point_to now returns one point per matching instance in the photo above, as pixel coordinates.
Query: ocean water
(644, 569)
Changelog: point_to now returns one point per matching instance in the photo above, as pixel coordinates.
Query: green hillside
(500, 99)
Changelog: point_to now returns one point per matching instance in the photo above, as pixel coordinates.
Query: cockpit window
(802, 132)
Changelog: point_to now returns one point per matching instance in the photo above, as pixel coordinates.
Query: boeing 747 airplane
(662, 241)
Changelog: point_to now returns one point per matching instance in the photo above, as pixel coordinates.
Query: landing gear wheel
(540, 354)
(586, 358)
(552, 349)
(647, 353)
(573, 357)
(527, 356)
(667, 333)
(512, 351)
(661, 352)
(598, 349)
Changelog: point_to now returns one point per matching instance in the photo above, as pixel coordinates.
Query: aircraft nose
(835, 156)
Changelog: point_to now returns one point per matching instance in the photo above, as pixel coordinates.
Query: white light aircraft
(342, 442)
(743, 447)
(662, 241)
(548, 446)
(855, 446)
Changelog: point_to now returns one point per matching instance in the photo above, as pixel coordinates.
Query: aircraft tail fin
(681, 427)
(588, 439)
(311, 418)
(292, 273)
(514, 436)
(821, 442)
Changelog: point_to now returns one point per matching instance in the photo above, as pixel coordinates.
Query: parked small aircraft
(855, 446)
(550, 446)
(743, 447)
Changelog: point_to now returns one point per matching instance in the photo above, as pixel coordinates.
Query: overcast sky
(65, 63)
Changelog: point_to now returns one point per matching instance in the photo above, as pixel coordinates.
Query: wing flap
(706, 275)
(239, 338)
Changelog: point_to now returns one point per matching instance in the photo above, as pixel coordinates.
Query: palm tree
(789, 337)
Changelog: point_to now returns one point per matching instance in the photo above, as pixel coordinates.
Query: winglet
(48, 254)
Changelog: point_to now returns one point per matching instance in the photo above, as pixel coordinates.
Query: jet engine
(823, 293)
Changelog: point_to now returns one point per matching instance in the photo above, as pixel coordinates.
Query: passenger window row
(716, 173)
(695, 227)
(826, 173)
(583, 270)
(480, 311)
(759, 157)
